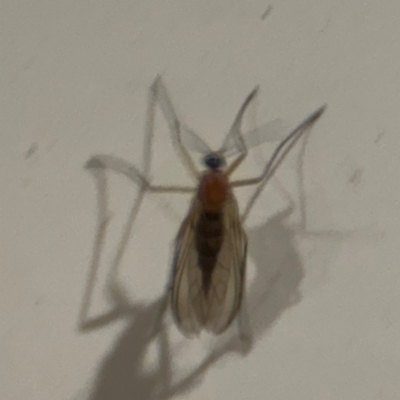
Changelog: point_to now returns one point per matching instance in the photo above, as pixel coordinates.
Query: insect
(209, 263)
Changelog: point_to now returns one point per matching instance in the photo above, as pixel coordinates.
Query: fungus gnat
(210, 250)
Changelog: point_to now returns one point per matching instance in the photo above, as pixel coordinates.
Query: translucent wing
(228, 278)
(186, 284)
(192, 308)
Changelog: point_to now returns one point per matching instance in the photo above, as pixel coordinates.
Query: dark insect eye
(213, 161)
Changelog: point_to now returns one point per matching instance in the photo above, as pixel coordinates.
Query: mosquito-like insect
(209, 263)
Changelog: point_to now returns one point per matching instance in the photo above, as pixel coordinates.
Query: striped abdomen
(209, 237)
(213, 192)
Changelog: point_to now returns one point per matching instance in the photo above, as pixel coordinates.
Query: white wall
(74, 81)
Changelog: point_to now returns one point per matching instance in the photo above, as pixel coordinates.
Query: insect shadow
(121, 375)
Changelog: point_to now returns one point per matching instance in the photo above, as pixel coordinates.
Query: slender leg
(161, 95)
(97, 165)
(298, 131)
(236, 131)
(274, 161)
(120, 166)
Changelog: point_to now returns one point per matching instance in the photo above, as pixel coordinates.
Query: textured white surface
(74, 79)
